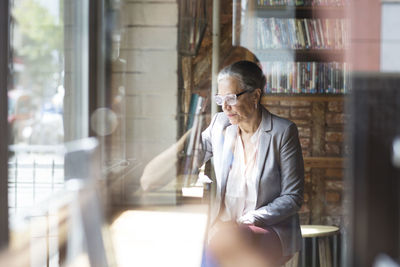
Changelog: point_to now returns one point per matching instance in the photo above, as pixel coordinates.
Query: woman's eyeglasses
(230, 99)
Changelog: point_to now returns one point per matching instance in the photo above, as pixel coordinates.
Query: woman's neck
(250, 127)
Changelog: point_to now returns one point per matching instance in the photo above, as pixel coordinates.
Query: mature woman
(258, 166)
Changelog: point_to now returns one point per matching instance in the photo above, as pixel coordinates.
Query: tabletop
(318, 230)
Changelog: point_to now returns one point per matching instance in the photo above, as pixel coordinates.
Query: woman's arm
(155, 173)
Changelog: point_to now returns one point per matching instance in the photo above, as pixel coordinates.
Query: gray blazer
(280, 173)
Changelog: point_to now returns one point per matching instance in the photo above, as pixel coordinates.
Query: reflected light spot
(103, 121)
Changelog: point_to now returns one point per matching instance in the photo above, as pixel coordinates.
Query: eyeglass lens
(229, 99)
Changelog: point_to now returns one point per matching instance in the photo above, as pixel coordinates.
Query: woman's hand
(248, 218)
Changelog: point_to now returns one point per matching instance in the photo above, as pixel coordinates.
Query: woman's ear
(257, 94)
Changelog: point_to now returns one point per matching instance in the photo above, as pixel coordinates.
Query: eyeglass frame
(224, 97)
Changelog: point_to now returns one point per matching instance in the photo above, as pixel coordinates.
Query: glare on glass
(230, 99)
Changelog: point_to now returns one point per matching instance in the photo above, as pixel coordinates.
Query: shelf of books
(305, 77)
(301, 44)
(302, 34)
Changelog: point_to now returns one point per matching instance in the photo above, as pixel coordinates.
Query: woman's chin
(233, 120)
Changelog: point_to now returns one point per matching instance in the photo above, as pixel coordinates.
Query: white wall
(147, 69)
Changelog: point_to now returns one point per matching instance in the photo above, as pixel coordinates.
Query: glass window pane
(47, 95)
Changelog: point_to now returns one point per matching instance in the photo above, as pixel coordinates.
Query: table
(322, 233)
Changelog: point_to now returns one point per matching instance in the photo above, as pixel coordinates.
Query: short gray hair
(248, 74)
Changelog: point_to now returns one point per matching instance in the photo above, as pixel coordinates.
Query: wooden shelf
(324, 162)
(306, 55)
(301, 11)
(302, 97)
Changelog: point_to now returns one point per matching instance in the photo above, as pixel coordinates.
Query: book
(192, 110)
(192, 147)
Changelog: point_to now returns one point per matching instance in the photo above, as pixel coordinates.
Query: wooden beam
(301, 97)
(324, 162)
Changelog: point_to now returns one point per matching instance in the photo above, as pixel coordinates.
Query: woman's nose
(225, 105)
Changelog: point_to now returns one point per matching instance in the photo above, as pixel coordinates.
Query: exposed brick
(334, 185)
(336, 106)
(307, 177)
(333, 220)
(307, 169)
(334, 173)
(333, 209)
(335, 118)
(318, 194)
(318, 128)
(332, 197)
(306, 197)
(302, 122)
(300, 113)
(305, 143)
(304, 215)
(270, 103)
(332, 149)
(334, 136)
(305, 208)
(306, 153)
(283, 112)
(295, 103)
(304, 131)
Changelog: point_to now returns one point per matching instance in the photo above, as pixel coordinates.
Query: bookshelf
(302, 97)
(301, 45)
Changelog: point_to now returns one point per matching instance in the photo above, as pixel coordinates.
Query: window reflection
(143, 113)
(35, 97)
(46, 97)
(37, 89)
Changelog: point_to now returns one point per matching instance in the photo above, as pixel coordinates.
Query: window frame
(4, 62)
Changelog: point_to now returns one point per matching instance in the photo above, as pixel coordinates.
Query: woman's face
(246, 103)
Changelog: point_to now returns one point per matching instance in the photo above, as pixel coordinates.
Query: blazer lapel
(227, 155)
(263, 147)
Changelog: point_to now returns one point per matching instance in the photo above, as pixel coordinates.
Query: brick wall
(320, 124)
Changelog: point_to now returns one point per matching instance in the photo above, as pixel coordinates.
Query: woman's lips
(231, 115)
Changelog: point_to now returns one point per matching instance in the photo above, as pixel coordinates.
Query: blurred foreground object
(160, 236)
(68, 228)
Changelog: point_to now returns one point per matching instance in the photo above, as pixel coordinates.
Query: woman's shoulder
(279, 123)
(281, 120)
